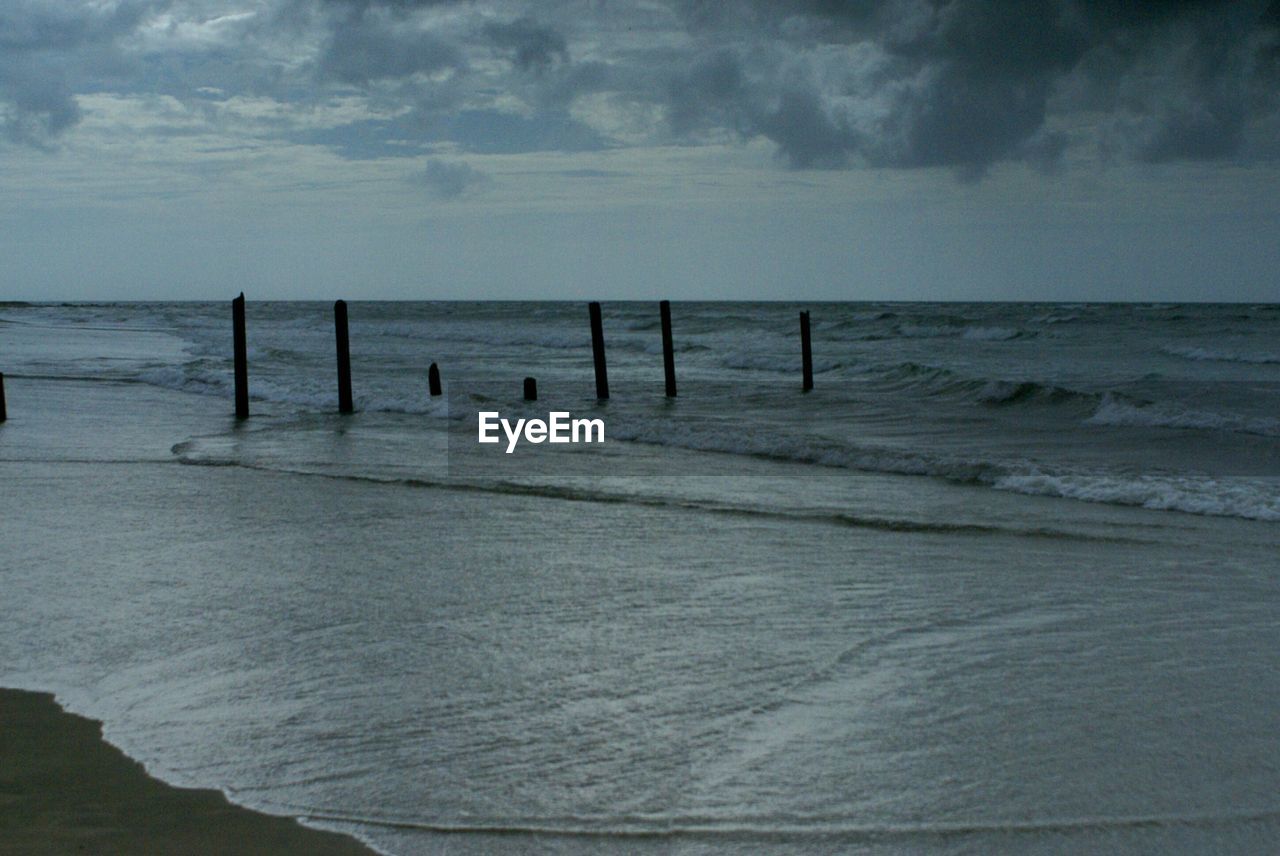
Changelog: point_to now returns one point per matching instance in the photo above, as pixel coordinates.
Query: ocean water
(1006, 579)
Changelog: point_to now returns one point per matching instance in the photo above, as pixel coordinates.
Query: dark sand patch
(63, 789)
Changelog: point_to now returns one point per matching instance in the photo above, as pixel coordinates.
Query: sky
(686, 149)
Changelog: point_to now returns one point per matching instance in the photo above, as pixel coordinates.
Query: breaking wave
(1114, 411)
(1201, 354)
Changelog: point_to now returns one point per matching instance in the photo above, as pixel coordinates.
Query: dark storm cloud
(533, 47)
(362, 51)
(36, 105)
(446, 180)
(707, 94)
(41, 44)
(961, 84)
(891, 83)
(373, 41)
(967, 83)
(361, 6)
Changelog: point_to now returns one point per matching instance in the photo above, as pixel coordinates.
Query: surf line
(558, 427)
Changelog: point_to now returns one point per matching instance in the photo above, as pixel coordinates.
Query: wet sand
(63, 789)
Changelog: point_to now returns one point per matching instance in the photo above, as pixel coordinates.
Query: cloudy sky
(796, 149)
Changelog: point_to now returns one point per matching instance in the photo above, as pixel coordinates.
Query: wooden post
(433, 380)
(241, 358)
(344, 357)
(530, 389)
(3, 414)
(806, 351)
(597, 351)
(668, 349)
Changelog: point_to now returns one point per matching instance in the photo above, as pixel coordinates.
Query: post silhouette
(530, 389)
(344, 357)
(433, 380)
(668, 349)
(806, 351)
(3, 414)
(241, 357)
(597, 351)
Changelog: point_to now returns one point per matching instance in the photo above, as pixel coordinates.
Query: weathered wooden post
(530, 389)
(344, 357)
(3, 414)
(806, 351)
(433, 380)
(597, 351)
(668, 349)
(241, 357)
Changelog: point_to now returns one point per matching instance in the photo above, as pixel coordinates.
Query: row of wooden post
(343, 342)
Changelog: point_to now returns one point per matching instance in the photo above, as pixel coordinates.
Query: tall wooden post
(433, 380)
(530, 389)
(3, 414)
(241, 357)
(344, 357)
(597, 351)
(668, 349)
(806, 351)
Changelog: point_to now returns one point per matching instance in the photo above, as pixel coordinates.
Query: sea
(1007, 579)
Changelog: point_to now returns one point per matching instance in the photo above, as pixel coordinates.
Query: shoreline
(64, 788)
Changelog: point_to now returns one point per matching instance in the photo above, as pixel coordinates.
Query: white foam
(972, 333)
(1252, 499)
(1120, 413)
(1201, 354)
(991, 334)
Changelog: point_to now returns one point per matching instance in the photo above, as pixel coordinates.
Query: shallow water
(783, 652)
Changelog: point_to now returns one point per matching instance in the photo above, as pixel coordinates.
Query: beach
(65, 790)
(699, 651)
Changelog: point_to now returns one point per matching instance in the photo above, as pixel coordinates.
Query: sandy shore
(63, 789)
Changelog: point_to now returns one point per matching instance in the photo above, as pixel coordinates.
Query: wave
(1252, 499)
(1109, 407)
(655, 347)
(854, 321)
(203, 378)
(972, 333)
(1055, 318)
(1248, 499)
(309, 332)
(1000, 392)
(862, 329)
(780, 827)
(1201, 354)
(936, 380)
(79, 378)
(515, 338)
(190, 452)
(1192, 495)
(1113, 411)
(991, 334)
(768, 362)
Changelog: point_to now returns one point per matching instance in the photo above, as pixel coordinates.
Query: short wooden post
(3, 414)
(806, 351)
(433, 380)
(530, 389)
(241, 357)
(597, 351)
(668, 349)
(344, 357)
